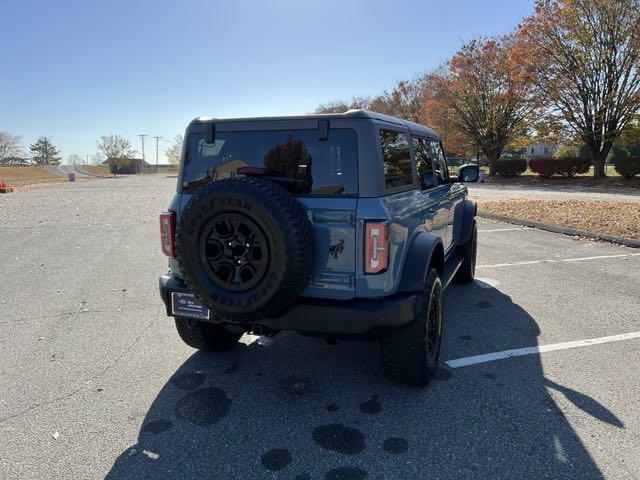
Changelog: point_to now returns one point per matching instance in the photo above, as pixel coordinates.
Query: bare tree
(115, 147)
(97, 158)
(118, 151)
(341, 106)
(74, 159)
(10, 151)
(174, 152)
(585, 54)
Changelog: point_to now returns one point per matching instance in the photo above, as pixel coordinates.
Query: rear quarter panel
(408, 213)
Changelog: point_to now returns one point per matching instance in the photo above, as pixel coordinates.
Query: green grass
(609, 169)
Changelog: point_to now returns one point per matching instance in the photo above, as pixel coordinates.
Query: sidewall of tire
(235, 303)
(404, 352)
(466, 273)
(276, 289)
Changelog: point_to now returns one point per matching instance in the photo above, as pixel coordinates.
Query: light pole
(142, 135)
(157, 140)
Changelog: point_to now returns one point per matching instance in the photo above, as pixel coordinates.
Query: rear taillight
(167, 232)
(376, 247)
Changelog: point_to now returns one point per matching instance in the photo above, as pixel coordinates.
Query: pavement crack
(94, 378)
(72, 313)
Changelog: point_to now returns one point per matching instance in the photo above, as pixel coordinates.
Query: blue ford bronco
(342, 226)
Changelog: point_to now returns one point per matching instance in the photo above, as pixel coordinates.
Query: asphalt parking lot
(96, 383)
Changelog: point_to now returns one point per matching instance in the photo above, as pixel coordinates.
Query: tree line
(119, 152)
(568, 75)
(115, 149)
(42, 151)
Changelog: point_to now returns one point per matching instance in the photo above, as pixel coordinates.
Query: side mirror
(469, 173)
(427, 180)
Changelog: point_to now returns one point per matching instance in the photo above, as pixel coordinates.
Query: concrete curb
(629, 242)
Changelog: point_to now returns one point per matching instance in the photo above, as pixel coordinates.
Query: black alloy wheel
(235, 251)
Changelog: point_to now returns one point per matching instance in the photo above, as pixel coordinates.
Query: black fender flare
(463, 216)
(426, 250)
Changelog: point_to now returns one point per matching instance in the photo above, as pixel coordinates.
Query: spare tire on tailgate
(245, 246)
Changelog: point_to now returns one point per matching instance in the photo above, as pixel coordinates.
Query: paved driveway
(492, 191)
(95, 381)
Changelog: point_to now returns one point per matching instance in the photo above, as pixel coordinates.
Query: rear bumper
(357, 317)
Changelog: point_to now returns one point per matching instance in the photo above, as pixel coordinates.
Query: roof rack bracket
(323, 130)
(210, 135)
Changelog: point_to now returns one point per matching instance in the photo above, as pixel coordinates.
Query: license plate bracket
(187, 305)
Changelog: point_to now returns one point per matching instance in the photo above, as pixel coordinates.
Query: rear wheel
(469, 250)
(210, 337)
(410, 355)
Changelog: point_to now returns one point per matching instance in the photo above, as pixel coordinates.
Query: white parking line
(248, 339)
(490, 357)
(500, 230)
(555, 260)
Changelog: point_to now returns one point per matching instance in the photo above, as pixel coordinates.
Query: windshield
(322, 167)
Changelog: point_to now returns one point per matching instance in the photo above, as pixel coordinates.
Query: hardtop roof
(414, 128)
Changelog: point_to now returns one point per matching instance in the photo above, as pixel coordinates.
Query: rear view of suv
(344, 226)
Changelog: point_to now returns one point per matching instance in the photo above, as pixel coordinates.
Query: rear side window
(422, 149)
(319, 167)
(442, 170)
(396, 157)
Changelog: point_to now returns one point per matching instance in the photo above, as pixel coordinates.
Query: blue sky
(76, 70)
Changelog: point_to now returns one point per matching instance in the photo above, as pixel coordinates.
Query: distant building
(126, 165)
(540, 149)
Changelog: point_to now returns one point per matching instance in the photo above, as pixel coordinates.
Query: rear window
(320, 167)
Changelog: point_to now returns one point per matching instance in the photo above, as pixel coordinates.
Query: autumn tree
(404, 100)
(174, 151)
(585, 56)
(437, 113)
(43, 152)
(486, 94)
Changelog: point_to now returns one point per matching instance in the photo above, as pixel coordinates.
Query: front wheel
(209, 337)
(469, 251)
(410, 355)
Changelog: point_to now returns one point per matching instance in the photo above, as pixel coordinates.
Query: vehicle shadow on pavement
(296, 408)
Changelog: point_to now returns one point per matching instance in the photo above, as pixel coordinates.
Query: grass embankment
(28, 175)
(614, 218)
(97, 169)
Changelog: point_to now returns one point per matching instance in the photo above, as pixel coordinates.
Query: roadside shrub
(627, 166)
(617, 151)
(511, 167)
(565, 166)
(543, 166)
(573, 165)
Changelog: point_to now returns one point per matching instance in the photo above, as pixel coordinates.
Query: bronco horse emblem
(336, 249)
